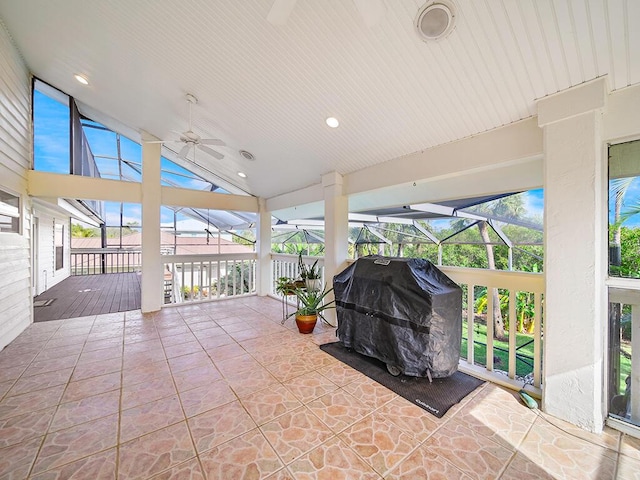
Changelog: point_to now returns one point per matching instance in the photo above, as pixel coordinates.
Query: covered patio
(295, 113)
(221, 390)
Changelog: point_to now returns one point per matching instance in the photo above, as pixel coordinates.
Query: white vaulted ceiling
(268, 89)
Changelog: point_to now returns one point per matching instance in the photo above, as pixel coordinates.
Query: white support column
(336, 231)
(575, 173)
(152, 267)
(263, 247)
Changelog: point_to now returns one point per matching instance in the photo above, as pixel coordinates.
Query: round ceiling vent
(435, 20)
(247, 155)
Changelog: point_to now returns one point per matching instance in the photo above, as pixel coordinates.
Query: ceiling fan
(371, 11)
(191, 140)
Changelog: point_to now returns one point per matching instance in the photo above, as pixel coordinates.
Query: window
(59, 245)
(9, 213)
(51, 129)
(624, 297)
(624, 210)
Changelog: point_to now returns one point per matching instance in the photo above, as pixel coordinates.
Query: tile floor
(223, 391)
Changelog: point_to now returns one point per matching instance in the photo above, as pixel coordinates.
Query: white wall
(15, 159)
(46, 272)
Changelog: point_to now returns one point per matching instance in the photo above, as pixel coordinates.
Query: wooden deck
(83, 295)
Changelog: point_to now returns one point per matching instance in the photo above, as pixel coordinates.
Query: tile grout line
(44, 437)
(184, 414)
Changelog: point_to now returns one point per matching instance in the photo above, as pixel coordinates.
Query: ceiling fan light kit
(435, 20)
(190, 139)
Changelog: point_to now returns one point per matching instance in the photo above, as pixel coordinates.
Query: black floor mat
(436, 398)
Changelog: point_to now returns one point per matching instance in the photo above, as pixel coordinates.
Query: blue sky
(534, 202)
(631, 198)
(51, 134)
(51, 154)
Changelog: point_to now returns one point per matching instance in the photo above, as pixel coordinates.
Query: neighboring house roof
(183, 245)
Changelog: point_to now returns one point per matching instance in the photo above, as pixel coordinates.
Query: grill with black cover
(404, 312)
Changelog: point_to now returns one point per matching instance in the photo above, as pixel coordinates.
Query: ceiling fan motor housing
(190, 137)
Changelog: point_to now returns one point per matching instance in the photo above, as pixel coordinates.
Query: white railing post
(513, 321)
(635, 364)
(537, 343)
(490, 329)
(514, 282)
(470, 320)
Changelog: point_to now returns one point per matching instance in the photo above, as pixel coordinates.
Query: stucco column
(336, 232)
(575, 264)
(263, 247)
(152, 267)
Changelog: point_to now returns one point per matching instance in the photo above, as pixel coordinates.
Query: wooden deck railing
(96, 261)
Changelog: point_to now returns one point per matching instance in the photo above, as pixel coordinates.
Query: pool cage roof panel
(440, 223)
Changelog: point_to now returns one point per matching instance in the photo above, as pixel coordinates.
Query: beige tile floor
(223, 391)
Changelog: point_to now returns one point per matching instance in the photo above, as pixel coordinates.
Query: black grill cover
(404, 312)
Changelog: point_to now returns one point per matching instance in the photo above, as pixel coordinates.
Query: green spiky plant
(312, 302)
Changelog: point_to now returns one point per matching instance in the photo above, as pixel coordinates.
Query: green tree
(506, 207)
(78, 231)
(629, 253)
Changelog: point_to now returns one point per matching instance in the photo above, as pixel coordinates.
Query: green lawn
(625, 368)
(501, 358)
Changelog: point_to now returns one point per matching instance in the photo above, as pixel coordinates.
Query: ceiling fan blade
(280, 11)
(371, 11)
(184, 150)
(211, 152)
(213, 141)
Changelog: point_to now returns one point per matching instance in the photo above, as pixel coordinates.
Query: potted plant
(287, 286)
(311, 303)
(310, 274)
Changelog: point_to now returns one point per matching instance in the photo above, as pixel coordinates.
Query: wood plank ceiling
(268, 88)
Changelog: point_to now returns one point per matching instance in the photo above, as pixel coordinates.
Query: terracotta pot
(306, 323)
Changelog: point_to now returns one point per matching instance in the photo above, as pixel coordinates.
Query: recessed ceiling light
(247, 155)
(332, 122)
(81, 78)
(242, 175)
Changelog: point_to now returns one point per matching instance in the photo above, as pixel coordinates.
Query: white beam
(515, 176)
(56, 185)
(183, 197)
(426, 233)
(292, 200)
(622, 119)
(75, 213)
(379, 235)
(517, 141)
(575, 101)
(448, 211)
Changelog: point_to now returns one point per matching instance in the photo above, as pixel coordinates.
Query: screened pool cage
(469, 227)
